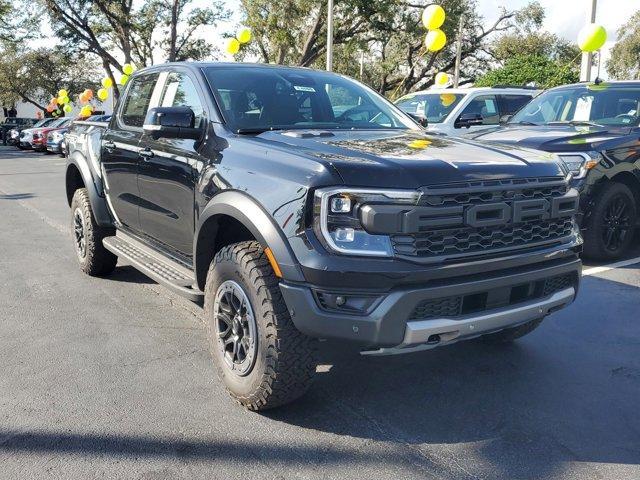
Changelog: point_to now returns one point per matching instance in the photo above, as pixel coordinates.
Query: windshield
(254, 99)
(584, 104)
(435, 107)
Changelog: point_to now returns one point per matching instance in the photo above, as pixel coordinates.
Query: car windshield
(584, 105)
(255, 99)
(435, 107)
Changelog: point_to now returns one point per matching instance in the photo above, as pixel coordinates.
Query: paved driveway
(112, 379)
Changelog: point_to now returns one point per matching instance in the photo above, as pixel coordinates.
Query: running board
(154, 265)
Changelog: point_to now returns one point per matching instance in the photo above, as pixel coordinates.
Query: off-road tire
(284, 364)
(97, 260)
(594, 244)
(510, 334)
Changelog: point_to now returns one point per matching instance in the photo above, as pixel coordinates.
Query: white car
(457, 111)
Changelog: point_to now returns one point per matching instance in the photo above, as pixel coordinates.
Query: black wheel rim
(79, 233)
(616, 223)
(235, 327)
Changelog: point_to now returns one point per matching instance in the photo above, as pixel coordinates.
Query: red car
(39, 135)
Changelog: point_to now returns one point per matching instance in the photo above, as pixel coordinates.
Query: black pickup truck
(595, 130)
(301, 205)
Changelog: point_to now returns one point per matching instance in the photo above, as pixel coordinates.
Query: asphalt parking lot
(111, 378)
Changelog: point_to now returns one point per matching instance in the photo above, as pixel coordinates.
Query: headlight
(56, 137)
(580, 163)
(337, 219)
(14, 133)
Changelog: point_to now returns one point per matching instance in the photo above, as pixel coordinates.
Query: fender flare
(248, 212)
(96, 197)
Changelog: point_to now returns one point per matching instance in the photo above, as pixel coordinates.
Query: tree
(389, 33)
(624, 63)
(125, 31)
(35, 76)
(524, 69)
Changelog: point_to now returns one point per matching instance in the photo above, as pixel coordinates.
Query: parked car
(595, 129)
(239, 184)
(36, 138)
(14, 123)
(55, 140)
(14, 133)
(455, 111)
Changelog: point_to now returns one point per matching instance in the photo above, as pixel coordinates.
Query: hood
(407, 158)
(554, 138)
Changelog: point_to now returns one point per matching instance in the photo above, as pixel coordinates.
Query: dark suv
(302, 205)
(595, 130)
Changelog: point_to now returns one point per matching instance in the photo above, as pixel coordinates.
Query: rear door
(487, 107)
(119, 153)
(167, 173)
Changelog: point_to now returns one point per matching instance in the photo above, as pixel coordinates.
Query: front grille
(457, 306)
(456, 241)
(435, 233)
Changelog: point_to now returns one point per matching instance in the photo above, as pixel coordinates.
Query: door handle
(109, 146)
(146, 153)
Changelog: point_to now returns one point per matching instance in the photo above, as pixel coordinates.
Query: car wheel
(94, 259)
(511, 334)
(611, 226)
(263, 360)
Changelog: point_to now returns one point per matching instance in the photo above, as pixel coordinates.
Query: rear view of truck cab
(300, 205)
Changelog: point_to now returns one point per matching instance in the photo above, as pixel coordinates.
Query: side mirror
(422, 121)
(505, 119)
(171, 122)
(467, 120)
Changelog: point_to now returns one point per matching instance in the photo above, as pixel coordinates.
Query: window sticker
(583, 108)
(301, 88)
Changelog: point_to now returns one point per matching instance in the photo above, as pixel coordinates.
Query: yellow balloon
(103, 94)
(233, 46)
(65, 99)
(433, 17)
(86, 111)
(124, 79)
(592, 37)
(60, 100)
(127, 69)
(435, 40)
(244, 35)
(67, 108)
(62, 93)
(442, 78)
(447, 99)
(107, 82)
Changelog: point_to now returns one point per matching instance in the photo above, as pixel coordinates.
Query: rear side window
(137, 102)
(510, 104)
(485, 106)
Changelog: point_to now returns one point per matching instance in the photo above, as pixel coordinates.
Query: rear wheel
(510, 334)
(612, 223)
(263, 360)
(94, 259)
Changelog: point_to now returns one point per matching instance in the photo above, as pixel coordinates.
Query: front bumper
(54, 147)
(392, 322)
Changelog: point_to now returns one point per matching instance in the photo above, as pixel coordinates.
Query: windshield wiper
(525, 122)
(576, 123)
(250, 130)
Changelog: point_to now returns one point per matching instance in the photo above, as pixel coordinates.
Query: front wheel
(612, 223)
(263, 360)
(94, 259)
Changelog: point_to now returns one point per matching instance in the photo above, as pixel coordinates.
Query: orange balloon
(88, 93)
(49, 108)
(54, 101)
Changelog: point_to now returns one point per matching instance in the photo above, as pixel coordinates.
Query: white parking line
(611, 266)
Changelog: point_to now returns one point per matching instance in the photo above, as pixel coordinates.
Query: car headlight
(14, 134)
(337, 219)
(56, 137)
(580, 163)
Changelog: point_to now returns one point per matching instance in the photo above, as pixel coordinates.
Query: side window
(486, 106)
(179, 91)
(137, 102)
(510, 104)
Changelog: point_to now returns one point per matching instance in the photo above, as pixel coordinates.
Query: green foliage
(523, 69)
(35, 76)
(624, 63)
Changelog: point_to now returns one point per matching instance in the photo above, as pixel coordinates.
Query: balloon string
(421, 52)
(561, 71)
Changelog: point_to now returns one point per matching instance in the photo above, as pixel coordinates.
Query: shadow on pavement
(16, 196)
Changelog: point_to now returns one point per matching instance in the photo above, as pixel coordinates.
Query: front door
(119, 153)
(167, 173)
